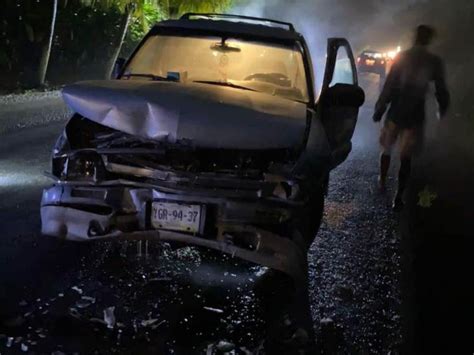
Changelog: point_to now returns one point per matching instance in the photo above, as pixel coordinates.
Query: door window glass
(343, 72)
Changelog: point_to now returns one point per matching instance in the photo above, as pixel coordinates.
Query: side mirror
(343, 95)
(118, 66)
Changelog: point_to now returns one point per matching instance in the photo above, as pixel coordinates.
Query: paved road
(354, 267)
(31, 109)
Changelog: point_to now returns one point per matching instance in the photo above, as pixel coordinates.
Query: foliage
(149, 12)
(140, 26)
(86, 34)
(178, 7)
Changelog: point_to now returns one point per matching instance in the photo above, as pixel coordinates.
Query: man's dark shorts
(410, 140)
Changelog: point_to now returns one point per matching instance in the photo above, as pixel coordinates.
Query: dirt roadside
(437, 239)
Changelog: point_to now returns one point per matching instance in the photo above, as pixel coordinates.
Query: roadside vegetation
(51, 42)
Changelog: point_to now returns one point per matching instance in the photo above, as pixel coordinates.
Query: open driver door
(333, 123)
(340, 99)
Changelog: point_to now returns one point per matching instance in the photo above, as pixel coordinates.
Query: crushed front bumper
(86, 213)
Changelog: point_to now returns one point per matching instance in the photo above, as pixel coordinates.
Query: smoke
(381, 25)
(365, 23)
(385, 24)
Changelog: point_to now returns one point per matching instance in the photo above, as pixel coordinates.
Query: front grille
(95, 194)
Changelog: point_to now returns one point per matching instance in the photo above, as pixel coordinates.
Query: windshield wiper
(151, 76)
(224, 83)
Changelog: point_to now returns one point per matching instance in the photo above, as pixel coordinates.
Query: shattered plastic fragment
(209, 349)
(9, 342)
(77, 289)
(148, 322)
(261, 271)
(109, 317)
(74, 313)
(326, 321)
(246, 351)
(85, 301)
(216, 310)
(225, 346)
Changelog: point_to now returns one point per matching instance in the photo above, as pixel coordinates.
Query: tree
(46, 50)
(175, 8)
(128, 9)
(170, 9)
(36, 36)
(123, 28)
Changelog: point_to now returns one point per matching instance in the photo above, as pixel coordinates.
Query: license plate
(370, 62)
(177, 217)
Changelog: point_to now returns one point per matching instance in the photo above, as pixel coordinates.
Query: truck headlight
(84, 166)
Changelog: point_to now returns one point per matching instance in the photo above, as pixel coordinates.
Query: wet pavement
(69, 298)
(355, 259)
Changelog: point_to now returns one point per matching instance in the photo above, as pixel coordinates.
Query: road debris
(9, 342)
(426, 197)
(225, 346)
(77, 289)
(85, 301)
(148, 322)
(109, 317)
(215, 310)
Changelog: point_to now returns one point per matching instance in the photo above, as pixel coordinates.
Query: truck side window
(343, 69)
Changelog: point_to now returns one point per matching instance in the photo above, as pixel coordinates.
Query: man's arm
(386, 95)
(442, 92)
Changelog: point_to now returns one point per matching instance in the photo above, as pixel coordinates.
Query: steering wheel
(272, 78)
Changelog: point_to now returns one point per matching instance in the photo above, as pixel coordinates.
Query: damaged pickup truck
(210, 135)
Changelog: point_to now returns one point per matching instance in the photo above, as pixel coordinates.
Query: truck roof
(234, 25)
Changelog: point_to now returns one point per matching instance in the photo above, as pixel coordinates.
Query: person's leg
(403, 177)
(385, 159)
(408, 144)
(388, 137)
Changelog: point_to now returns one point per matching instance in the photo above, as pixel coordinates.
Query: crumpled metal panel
(206, 115)
(63, 216)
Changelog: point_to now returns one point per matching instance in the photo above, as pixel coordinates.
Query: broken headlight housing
(79, 166)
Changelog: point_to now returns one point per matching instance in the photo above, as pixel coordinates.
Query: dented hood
(206, 115)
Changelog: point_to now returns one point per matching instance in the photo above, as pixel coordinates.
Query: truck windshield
(267, 68)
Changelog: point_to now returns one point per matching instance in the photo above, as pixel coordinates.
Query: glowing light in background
(392, 54)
